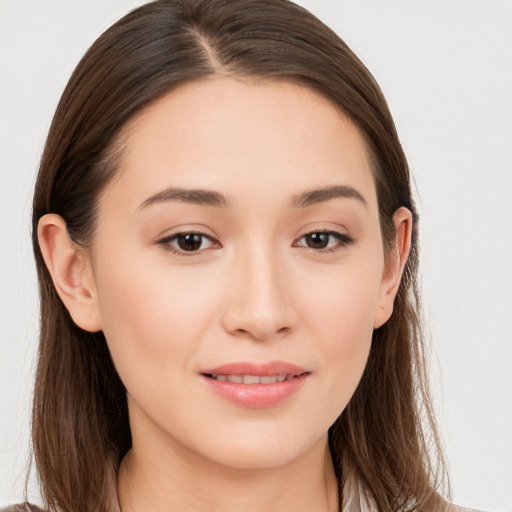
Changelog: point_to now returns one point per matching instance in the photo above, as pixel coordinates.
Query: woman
(225, 240)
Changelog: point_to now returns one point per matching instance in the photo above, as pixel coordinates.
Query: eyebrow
(325, 194)
(210, 198)
(192, 196)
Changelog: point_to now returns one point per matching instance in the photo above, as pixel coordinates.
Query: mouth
(252, 379)
(256, 385)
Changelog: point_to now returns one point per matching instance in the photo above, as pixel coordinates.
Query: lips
(252, 379)
(256, 385)
(263, 370)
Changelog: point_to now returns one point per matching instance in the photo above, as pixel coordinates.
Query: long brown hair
(81, 432)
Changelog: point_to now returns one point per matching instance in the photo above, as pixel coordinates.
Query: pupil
(318, 240)
(190, 242)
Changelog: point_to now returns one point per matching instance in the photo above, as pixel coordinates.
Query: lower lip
(257, 396)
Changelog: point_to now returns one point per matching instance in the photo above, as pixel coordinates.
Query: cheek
(153, 320)
(342, 314)
(343, 300)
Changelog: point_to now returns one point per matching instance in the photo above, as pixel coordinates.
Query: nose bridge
(260, 302)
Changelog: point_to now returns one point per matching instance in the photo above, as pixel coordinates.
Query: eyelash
(343, 241)
(166, 243)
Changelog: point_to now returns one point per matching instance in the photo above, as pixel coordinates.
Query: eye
(324, 241)
(188, 244)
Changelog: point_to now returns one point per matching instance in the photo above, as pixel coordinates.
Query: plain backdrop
(445, 67)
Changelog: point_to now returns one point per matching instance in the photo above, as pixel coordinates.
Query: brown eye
(324, 240)
(317, 240)
(189, 242)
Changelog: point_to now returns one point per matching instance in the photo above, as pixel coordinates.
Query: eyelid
(344, 240)
(165, 242)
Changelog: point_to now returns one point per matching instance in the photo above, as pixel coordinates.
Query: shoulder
(22, 507)
(455, 508)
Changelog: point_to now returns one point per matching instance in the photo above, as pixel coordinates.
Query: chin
(260, 452)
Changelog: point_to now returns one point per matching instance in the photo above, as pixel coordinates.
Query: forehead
(267, 137)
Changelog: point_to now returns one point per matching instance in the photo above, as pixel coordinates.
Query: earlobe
(71, 272)
(394, 266)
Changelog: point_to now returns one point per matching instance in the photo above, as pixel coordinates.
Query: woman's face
(239, 243)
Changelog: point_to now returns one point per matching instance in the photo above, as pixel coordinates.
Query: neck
(177, 479)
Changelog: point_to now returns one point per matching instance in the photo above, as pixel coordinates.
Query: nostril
(261, 334)
(258, 323)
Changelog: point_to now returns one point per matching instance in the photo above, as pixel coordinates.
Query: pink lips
(238, 382)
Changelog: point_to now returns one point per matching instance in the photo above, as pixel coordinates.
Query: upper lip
(261, 369)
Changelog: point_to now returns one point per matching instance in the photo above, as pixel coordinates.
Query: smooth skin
(260, 282)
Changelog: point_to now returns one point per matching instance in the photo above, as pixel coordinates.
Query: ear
(71, 272)
(394, 266)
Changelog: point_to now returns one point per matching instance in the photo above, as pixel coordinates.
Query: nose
(259, 304)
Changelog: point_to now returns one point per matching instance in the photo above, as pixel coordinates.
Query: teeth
(253, 379)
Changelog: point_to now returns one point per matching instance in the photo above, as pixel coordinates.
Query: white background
(445, 67)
